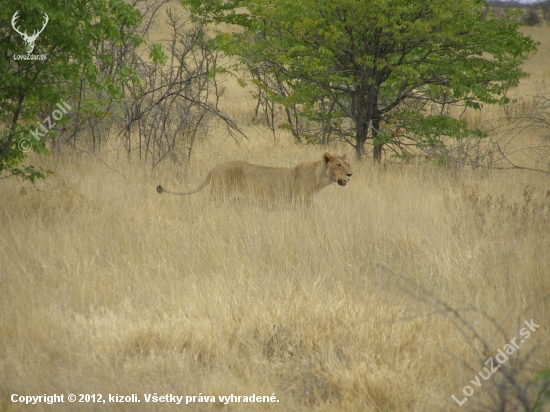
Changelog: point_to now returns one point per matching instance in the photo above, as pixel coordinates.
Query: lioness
(296, 184)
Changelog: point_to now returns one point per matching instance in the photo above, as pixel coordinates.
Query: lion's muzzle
(344, 182)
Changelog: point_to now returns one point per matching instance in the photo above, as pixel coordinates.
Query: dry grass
(107, 287)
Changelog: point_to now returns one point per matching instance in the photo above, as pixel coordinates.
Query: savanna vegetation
(389, 295)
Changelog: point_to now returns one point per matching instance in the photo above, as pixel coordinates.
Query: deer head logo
(29, 40)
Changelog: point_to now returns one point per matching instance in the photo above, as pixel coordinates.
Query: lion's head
(338, 169)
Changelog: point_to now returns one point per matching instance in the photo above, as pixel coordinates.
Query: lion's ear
(327, 157)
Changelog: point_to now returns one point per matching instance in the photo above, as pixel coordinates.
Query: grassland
(386, 296)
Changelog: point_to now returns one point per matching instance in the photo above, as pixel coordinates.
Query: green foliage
(157, 54)
(372, 57)
(542, 380)
(74, 43)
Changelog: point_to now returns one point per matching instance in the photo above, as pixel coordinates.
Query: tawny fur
(296, 184)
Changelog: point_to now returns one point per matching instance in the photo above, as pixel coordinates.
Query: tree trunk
(377, 153)
(360, 139)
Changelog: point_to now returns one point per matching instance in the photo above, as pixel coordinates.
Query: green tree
(73, 42)
(389, 64)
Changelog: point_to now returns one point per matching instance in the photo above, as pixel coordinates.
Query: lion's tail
(162, 190)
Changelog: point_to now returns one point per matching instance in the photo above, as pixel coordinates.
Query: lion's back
(247, 179)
